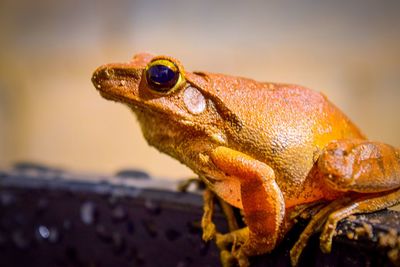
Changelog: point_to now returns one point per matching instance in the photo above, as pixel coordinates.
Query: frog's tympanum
(272, 150)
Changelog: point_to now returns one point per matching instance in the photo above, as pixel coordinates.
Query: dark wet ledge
(51, 217)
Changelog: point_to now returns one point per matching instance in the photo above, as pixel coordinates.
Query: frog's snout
(111, 78)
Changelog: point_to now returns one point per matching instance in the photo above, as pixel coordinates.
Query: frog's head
(173, 106)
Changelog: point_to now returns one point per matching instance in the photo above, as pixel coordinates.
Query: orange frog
(272, 150)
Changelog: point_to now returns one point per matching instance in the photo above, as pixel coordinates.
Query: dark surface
(47, 218)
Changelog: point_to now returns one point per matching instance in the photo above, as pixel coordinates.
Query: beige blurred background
(50, 113)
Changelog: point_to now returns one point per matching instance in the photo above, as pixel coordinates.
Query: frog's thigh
(361, 166)
(263, 203)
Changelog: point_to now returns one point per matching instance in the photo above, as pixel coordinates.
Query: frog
(273, 151)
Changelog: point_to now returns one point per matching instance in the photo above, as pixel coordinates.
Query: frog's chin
(110, 96)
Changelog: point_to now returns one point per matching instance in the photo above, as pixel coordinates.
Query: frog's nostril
(99, 75)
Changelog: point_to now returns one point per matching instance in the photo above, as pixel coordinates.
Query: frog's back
(285, 126)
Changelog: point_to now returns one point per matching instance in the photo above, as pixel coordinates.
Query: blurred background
(50, 113)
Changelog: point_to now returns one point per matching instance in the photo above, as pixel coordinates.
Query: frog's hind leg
(367, 172)
(360, 166)
(328, 217)
(370, 171)
(313, 226)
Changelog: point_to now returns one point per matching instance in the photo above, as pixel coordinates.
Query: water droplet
(88, 213)
(43, 232)
(50, 234)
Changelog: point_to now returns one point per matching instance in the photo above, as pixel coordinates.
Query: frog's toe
(227, 259)
(234, 239)
(223, 240)
(209, 231)
(231, 247)
(327, 234)
(234, 258)
(241, 258)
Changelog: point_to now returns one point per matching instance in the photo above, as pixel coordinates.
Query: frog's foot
(364, 205)
(231, 248)
(227, 260)
(184, 185)
(313, 226)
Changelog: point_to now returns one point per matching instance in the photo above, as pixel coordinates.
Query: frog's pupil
(162, 77)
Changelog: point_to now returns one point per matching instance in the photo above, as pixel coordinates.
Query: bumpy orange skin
(262, 147)
(285, 126)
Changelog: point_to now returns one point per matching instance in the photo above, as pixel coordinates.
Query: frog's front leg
(207, 225)
(262, 200)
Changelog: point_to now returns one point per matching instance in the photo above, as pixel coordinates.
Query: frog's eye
(163, 76)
